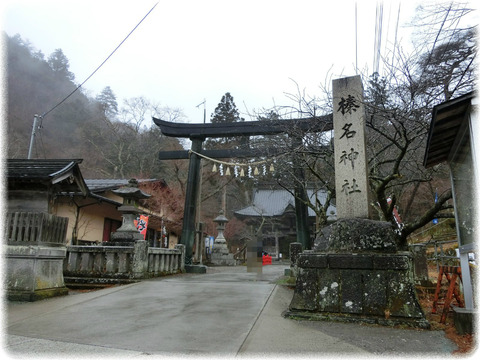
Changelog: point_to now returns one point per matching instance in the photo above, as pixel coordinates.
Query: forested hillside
(114, 140)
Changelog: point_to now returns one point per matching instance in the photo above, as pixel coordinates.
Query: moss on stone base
(15, 295)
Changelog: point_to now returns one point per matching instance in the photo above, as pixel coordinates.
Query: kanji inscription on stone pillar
(351, 175)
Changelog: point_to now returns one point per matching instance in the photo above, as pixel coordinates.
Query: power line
(104, 61)
(396, 33)
(378, 37)
(356, 41)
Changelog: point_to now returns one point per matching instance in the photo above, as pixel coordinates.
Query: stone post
(140, 259)
(295, 250)
(351, 176)
(420, 265)
(181, 264)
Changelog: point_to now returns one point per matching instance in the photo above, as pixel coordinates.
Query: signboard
(351, 177)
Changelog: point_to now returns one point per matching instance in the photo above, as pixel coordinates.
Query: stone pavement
(227, 312)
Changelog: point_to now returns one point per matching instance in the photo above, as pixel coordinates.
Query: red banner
(141, 225)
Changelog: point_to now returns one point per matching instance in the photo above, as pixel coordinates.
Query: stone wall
(117, 264)
(34, 272)
(38, 264)
(34, 255)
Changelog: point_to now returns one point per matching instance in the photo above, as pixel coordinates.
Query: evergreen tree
(108, 101)
(225, 112)
(60, 64)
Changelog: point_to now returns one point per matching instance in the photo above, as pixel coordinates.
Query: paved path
(226, 312)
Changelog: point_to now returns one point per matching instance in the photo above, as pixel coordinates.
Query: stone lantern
(127, 234)
(220, 253)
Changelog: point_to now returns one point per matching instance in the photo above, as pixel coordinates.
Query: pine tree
(108, 102)
(226, 111)
(60, 64)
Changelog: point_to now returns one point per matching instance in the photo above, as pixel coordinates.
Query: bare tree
(128, 144)
(398, 106)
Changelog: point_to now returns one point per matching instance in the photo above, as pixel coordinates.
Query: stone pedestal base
(464, 320)
(371, 288)
(124, 238)
(196, 269)
(357, 274)
(34, 272)
(220, 254)
(223, 259)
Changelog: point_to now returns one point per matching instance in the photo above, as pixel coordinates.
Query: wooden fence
(23, 228)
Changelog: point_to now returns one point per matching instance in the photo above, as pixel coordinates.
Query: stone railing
(24, 228)
(105, 263)
(166, 261)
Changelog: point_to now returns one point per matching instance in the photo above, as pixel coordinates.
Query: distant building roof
(47, 171)
(276, 202)
(99, 185)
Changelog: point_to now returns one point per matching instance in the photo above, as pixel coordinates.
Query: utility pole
(32, 137)
(204, 103)
(199, 233)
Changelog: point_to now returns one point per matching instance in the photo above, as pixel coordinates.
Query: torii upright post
(199, 132)
(301, 209)
(193, 185)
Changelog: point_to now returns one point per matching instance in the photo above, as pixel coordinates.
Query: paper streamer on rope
(227, 172)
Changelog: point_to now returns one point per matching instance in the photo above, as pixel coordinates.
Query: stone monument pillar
(355, 272)
(351, 178)
(220, 253)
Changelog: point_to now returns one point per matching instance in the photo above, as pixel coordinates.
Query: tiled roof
(97, 185)
(47, 171)
(274, 202)
(39, 169)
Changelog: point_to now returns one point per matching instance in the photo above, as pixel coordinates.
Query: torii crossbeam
(197, 133)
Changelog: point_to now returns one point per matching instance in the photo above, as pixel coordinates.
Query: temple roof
(98, 185)
(278, 202)
(64, 172)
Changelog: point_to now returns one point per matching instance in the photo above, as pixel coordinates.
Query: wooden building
(57, 187)
(275, 207)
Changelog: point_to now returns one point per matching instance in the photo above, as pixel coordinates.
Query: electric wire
(356, 41)
(436, 39)
(396, 34)
(378, 37)
(98, 68)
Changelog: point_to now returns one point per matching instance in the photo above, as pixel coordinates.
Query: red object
(451, 273)
(266, 260)
(141, 224)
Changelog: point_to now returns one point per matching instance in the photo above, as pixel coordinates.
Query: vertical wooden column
(193, 185)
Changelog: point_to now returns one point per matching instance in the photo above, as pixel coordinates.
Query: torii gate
(197, 133)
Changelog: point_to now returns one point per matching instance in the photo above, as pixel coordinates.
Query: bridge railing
(123, 262)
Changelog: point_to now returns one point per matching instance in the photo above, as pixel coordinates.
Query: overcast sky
(186, 51)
